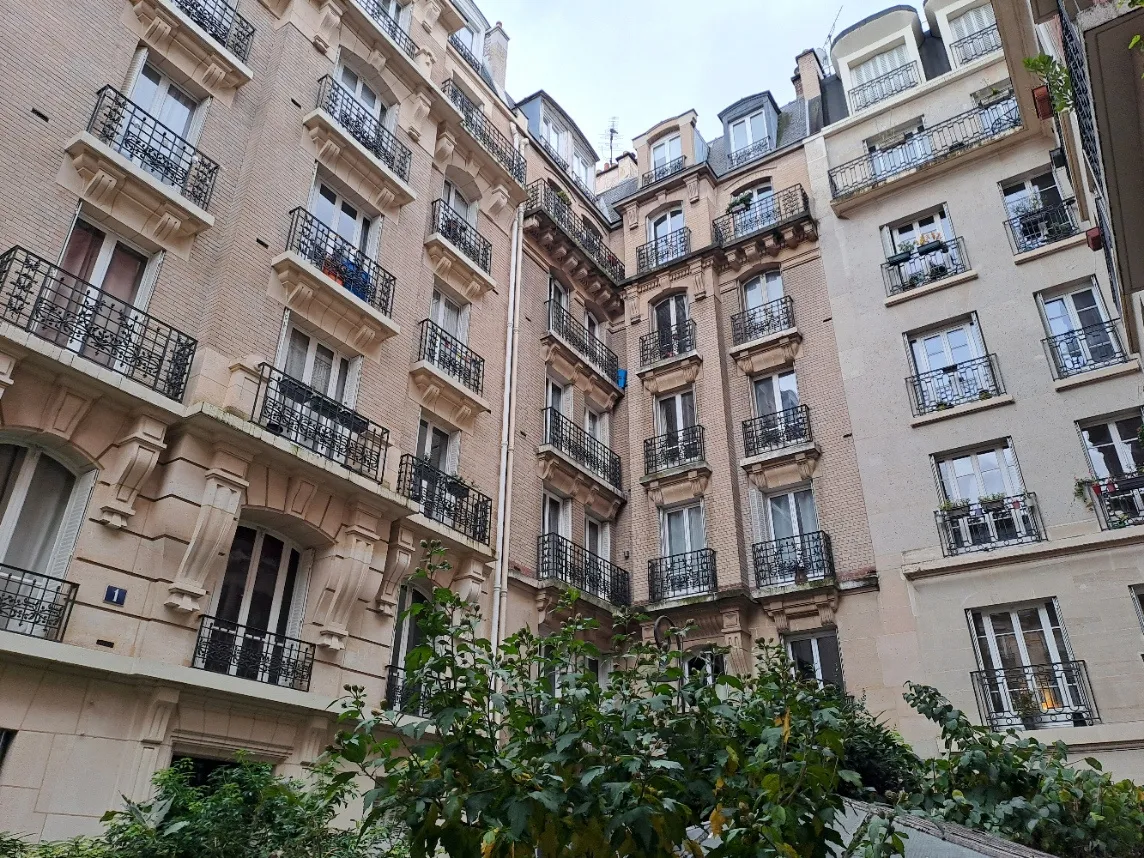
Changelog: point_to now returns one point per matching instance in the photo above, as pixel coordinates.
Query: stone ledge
(930, 288)
(967, 408)
(1130, 366)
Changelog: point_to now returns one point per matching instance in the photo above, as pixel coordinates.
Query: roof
(563, 115)
(869, 18)
(748, 103)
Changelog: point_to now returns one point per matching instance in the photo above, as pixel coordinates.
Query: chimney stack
(496, 54)
(808, 78)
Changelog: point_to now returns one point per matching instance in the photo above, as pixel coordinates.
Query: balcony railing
(1120, 499)
(969, 381)
(389, 26)
(1035, 696)
(674, 450)
(341, 261)
(794, 560)
(295, 411)
(34, 604)
(142, 139)
(451, 356)
(403, 695)
(249, 653)
(445, 498)
(560, 558)
(70, 313)
(667, 343)
(663, 250)
(1074, 54)
(928, 146)
(479, 125)
(541, 197)
(976, 45)
(690, 574)
(363, 126)
(466, 53)
(561, 323)
(462, 235)
(749, 152)
(776, 431)
(1043, 225)
(880, 88)
(223, 23)
(787, 205)
(582, 448)
(988, 523)
(661, 172)
(762, 321)
(1085, 349)
(910, 269)
(563, 165)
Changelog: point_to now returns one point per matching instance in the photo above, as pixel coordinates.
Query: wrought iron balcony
(912, 268)
(403, 695)
(560, 558)
(978, 44)
(776, 431)
(295, 411)
(462, 235)
(1085, 349)
(558, 159)
(1074, 54)
(674, 450)
(929, 146)
(880, 88)
(139, 137)
(679, 575)
(363, 126)
(1042, 225)
(1035, 696)
(482, 129)
(542, 197)
(389, 26)
(341, 261)
(658, 174)
(70, 313)
(249, 653)
(466, 53)
(582, 448)
(794, 560)
(959, 383)
(1120, 500)
(762, 321)
(749, 152)
(661, 251)
(667, 343)
(445, 498)
(561, 323)
(991, 522)
(451, 356)
(787, 205)
(223, 23)
(34, 604)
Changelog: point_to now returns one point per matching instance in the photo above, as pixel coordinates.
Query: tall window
(1080, 338)
(407, 635)
(317, 365)
(670, 313)
(748, 130)
(37, 499)
(816, 658)
(666, 151)
(584, 168)
(363, 93)
(791, 515)
(775, 394)
(553, 135)
(105, 261)
(1116, 459)
(343, 218)
(974, 34)
(991, 472)
(879, 65)
(985, 505)
(682, 530)
(662, 230)
(459, 203)
(166, 101)
(437, 445)
(950, 366)
(450, 315)
(556, 516)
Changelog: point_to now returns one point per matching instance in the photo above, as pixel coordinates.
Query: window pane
(802, 654)
(758, 127)
(296, 351)
(829, 662)
(234, 579)
(782, 525)
(265, 582)
(807, 517)
(82, 250)
(124, 273)
(39, 521)
(738, 135)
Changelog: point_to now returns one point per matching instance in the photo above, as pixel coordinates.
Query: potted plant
(984, 394)
(294, 390)
(739, 204)
(938, 271)
(1026, 705)
(942, 405)
(1027, 206)
(1080, 491)
(562, 195)
(954, 505)
(905, 251)
(993, 503)
(931, 242)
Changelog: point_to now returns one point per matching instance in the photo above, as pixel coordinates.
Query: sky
(608, 58)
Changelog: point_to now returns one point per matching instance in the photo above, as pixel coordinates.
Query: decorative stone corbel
(468, 577)
(347, 570)
(377, 59)
(418, 112)
(313, 738)
(64, 410)
(631, 218)
(693, 189)
(158, 33)
(154, 731)
(164, 224)
(138, 454)
(398, 560)
(424, 58)
(444, 147)
(8, 364)
(102, 188)
(329, 22)
(498, 200)
(432, 13)
(633, 304)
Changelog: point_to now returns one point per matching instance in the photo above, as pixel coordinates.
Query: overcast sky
(609, 58)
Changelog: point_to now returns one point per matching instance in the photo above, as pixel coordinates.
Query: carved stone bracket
(398, 564)
(64, 410)
(154, 731)
(444, 147)
(814, 608)
(782, 467)
(419, 105)
(9, 360)
(138, 455)
(329, 23)
(347, 568)
(464, 578)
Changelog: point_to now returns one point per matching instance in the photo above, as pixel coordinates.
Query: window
(584, 169)
(990, 472)
(1137, 599)
(40, 512)
(921, 250)
(974, 34)
(661, 227)
(1031, 194)
(392, 8)
(703, 665)
(1116, 459)
(7, 737)
(900, 149)
(748, 130)
(593, 327)
(163, 99)
(556, 516)
(597, 537)
(791, 516)
(681, 569)
(450, 316)
(362, 93)
(343, 218)
(923, 230)
(1037, 211)
(666, 151)
(557, 396)
(879, 65)
(438, 445)
(680, 442)
(670, 313)
(974, 21)
(596, 424)
(106, 262)
(557, 293)
(470, 38)
(559, 676)
(682, 530)
(200, 769)
(816, 657)
(407, 635)
(951, 367)
(319, 366)
(775, 394)
(985, 505)
(459, 204)
(1080, 336)
(439, 490)
(553, 135)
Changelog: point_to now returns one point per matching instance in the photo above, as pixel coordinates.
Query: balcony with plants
(445, 498)
(1035, 696)
(929, 261)
(988, 522)
(753, 226)
(1034, 224)
(976, 380)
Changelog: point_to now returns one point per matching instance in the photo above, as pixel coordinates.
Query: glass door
(666, 151)
(439, 490)
(1080, 335)
(670, 318)
(1117, 461)
(791, 517)
(661, 231)
(161, 151)
(678, 441)
(776, 397)
(682, 534)
(762, 290)
(947, 367)
(977, 488)
(311, 404)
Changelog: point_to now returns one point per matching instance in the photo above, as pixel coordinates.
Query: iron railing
(1085, 349)
(142, 139)
(750, 152)
(661, 172)
(674, 450)
(445, 498)
(689, 574)
(880, 88)
(542, 197)
(1042, 226)
(34, 604)
(959, 383)
(1120, 500)
(929, 146)
(466, 52)
(363, 126)
(910, 269)
(667, 343)
(70, 313)
(1073, 48)
(222, 23)
(804, 559)
(565, 166)
(264, 656)
(784, 206)
(1034, 696)
(582, 448)
(403, 695)
(287, 407)
(482, 129)
(663, 250)
(451, 356)
(979, 44)
(341, 261)
(777, 431)
(389, 26)
(560, 558)
(561, 323)
(982, 525)
(762, 321)
(445, 221)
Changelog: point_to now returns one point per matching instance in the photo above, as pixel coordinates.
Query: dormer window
(469, 42)
(666, 151)
(974, 34)
(749, 138)
(882, 76)
(553, 136)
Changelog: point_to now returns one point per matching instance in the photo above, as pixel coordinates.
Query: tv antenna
(830, 33)
(608, 138)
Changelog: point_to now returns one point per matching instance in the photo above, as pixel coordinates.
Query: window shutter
(758, 514)
(606, 541)
(69, 527)
(137, 63)
(353, 382)
(301, 594)
(566, 518)
(453, 457)
(283, 337)
(198, 118)
(463, 324)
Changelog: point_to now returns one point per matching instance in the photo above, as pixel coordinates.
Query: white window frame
(348, 364)
(748, 129)
(151, 268)
(604, 531)
(666, 150)
(712, 664)
(162, 90)
(365, 223)
(456, 200)
(564, 520)
(382, 111)
(816, 655)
